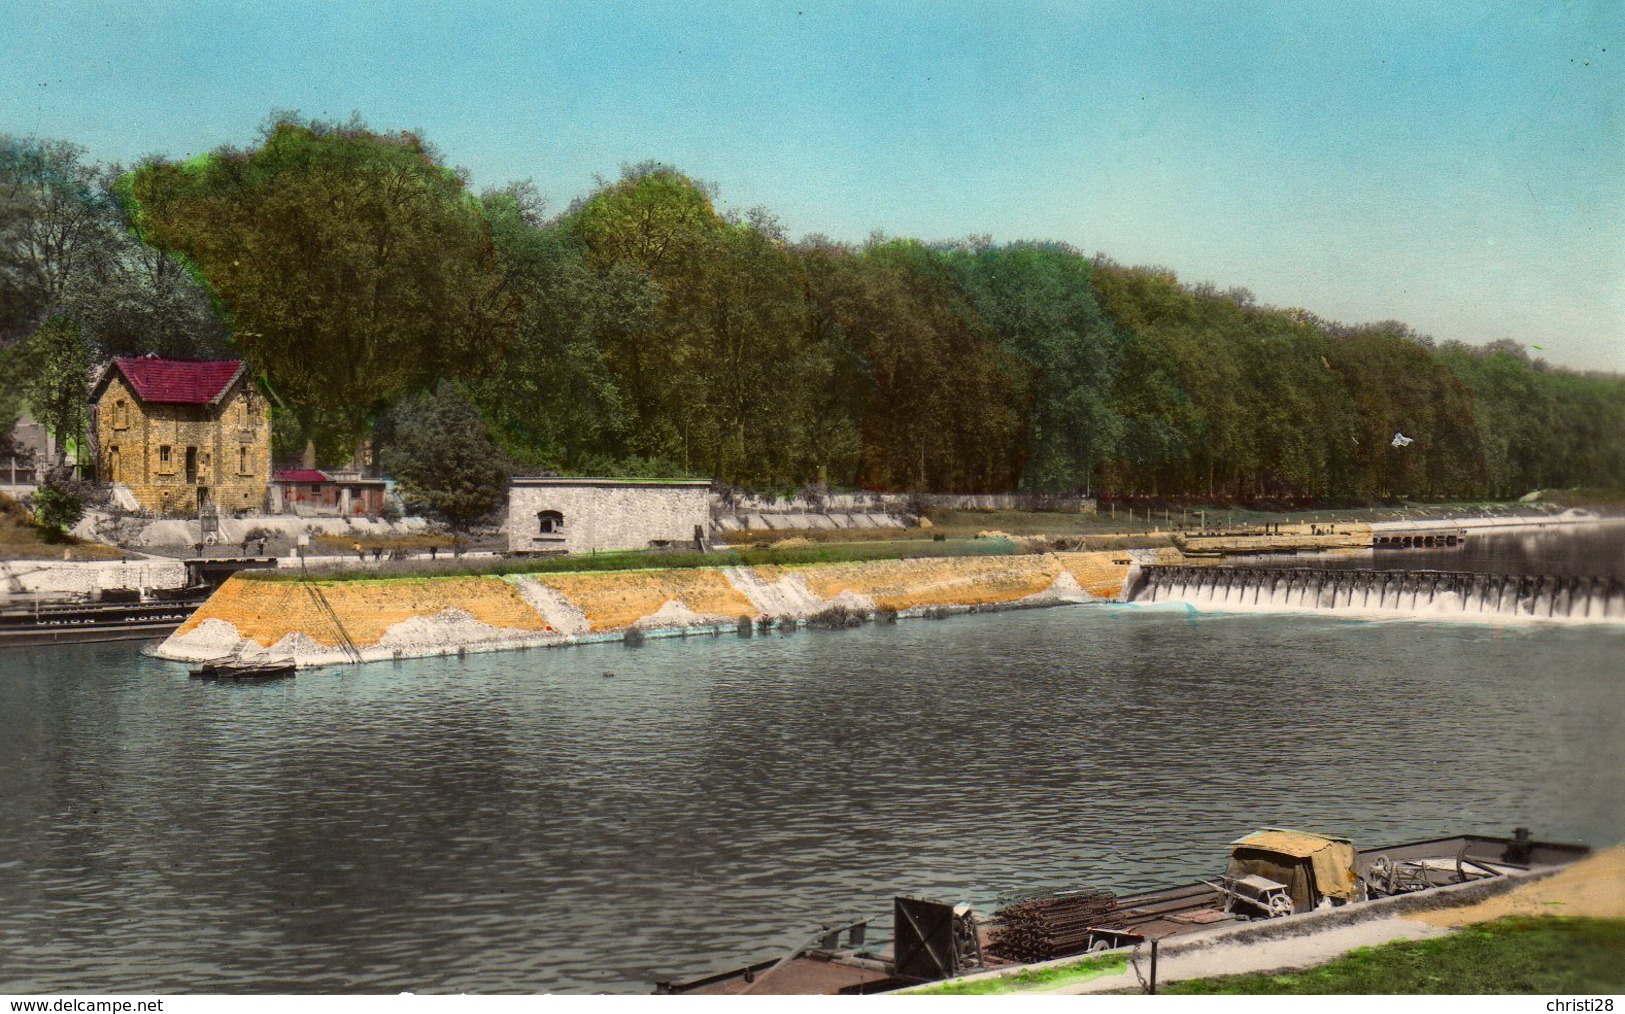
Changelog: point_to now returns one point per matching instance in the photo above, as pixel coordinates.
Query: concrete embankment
(320, 622)
(1510, 522)
(1289, 539)
(1349, 535)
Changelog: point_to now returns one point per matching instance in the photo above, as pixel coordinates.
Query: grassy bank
(662, 560)
(1514, 955)
(20, 539)
(1032, 981)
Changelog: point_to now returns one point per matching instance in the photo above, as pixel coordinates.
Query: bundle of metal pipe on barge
(1273, 875)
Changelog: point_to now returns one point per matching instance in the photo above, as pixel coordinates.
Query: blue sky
(1457, 166)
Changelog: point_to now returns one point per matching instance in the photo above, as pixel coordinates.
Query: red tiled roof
(299, 475)
(178, 381)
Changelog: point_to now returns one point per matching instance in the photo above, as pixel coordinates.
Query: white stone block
(604, 514)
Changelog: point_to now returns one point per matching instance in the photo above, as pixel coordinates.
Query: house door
(191, 464)
(202, 498)
(112, 466)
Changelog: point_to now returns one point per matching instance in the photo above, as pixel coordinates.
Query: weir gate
(1460, 593)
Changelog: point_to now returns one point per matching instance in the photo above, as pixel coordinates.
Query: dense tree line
(641, 330)
(78, 282)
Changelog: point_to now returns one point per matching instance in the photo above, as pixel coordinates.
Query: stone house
(181, 435)
(552, 515)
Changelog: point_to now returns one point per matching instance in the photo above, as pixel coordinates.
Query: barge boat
(1272, 874)
(106, 620)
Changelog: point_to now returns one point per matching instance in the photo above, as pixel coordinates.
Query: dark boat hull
(238, 673)
(93, 622)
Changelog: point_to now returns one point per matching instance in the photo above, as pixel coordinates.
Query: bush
(445, 460)
(837, 616)
(56, 509)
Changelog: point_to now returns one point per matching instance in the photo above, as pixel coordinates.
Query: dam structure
(1425, 594)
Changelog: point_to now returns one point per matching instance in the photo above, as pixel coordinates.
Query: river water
(524, 822)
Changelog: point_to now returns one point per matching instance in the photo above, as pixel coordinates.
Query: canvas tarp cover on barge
(1331, 860)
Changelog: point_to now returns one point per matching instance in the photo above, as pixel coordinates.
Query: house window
(242, 461)
(165, 461)
(550, 523)
(121, 417)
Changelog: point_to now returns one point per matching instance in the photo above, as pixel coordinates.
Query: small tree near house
(441, 455)
(57, 508)
(56, 361)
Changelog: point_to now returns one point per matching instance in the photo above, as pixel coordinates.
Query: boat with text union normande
(1273, 874)
(114, 615)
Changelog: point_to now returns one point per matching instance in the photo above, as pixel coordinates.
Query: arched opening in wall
(549, 523)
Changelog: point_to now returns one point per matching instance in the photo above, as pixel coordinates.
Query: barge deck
(920, 952)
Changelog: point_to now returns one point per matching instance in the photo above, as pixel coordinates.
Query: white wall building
(549, 515)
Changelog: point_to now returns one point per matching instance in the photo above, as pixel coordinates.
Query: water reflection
(520, 822)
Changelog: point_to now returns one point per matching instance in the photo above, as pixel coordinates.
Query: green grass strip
(1521, 954)
(1032, 981)
(639, 560)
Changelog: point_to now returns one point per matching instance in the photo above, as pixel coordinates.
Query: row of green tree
(642, 330)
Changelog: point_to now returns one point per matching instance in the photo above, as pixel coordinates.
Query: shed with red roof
(344, 492)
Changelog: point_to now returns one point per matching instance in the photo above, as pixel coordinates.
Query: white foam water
(1433, 595)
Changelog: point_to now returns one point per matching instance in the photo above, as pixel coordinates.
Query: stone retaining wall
(62, 577)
